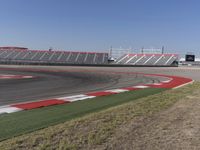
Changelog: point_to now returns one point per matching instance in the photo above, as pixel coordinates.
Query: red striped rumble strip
(171, 82)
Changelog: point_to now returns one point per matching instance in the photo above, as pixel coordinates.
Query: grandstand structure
(148, 59)
(23, 55)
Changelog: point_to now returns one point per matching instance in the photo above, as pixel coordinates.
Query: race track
(49, 82)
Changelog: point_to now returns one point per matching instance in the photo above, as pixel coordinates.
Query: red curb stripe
(38, 104)
(176, 81)
(102, 93)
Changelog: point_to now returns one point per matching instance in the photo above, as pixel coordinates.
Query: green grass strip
(27, 121)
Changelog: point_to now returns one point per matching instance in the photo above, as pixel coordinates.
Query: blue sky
(98, 24)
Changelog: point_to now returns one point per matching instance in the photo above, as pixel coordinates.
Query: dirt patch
(175, 128)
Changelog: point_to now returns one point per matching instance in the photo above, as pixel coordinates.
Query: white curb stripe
(14, 77)
(117, 90)
(75, 97)
(81, 98)
(157, 83)
(167, 81)
(141, 86)
(27, 77)
(9, 109)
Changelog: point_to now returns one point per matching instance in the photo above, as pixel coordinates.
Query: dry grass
(95, 129)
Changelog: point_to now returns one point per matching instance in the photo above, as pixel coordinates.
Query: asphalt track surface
(52, 81)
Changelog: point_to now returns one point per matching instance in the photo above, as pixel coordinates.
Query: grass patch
(94, 129)
(28, 121)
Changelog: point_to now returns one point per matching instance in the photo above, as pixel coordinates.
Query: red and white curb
(9, 76)
(9, 109)
(171, 83)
